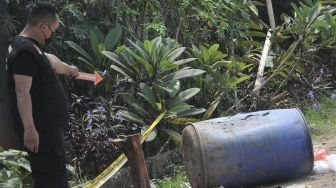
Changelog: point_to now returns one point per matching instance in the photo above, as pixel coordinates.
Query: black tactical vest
(48, 99)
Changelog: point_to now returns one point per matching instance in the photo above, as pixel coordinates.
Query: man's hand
(31, 139)
(73, 71)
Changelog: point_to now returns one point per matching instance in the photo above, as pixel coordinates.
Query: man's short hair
(41, 12)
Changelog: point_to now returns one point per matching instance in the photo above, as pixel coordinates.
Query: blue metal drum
(247, 149)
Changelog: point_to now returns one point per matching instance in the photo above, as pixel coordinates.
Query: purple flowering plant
(88, 115)
(119, 116)
(316, 105)
(89, 125)
(312, 96)
(101, 109)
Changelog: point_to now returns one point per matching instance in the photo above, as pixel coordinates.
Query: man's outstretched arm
(61, 67)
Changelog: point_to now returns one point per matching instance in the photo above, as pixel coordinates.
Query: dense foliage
(14, 168)
(185, 58)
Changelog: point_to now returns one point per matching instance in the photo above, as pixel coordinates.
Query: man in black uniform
(37, 96)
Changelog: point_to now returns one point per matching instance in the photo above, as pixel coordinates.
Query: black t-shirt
(49, 107)
(24, 64)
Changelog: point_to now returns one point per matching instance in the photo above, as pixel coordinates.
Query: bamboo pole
(266, 48)
(270, 14)
(263, 60)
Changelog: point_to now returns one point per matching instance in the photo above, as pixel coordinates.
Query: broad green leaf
(289, 52)
(112, 38)
(94, 43)
(239, 80)
(175, 136)
(159, 106)
(130, 62)
(148, 94)
(289, 72)
(175, 112)
(316, 11)
(174, 86)
(121, 72)
(184, 96)
(320, 24)
(213, 48)
(180, 107)
(164, 89)
(136, 106)
(176, 53)
(216, 56)
(166, 66)
(283, 74)
(94, 67)
(191, 112)
(79, 50)
(132, 116)
(120, 49)
(297, 11)
(101, 48)
(253, 25)
(198, 55)
(183, 61)
(187, 94)
(114, 58)
(156, 55)
(143, 53)
(183, 73)
(145, 89)
(148, 67)
(219, 64)
(297, 67)
(148, 46)
(166, 51)
(245, 43)
(211, 109)
(100, 35)
(15, 182)
(205, 53)
(256, 34)
(157, 41)
(152, 103)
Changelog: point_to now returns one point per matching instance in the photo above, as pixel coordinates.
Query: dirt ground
(328, 142)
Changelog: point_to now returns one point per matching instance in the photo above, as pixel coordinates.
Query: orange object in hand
(96, 78)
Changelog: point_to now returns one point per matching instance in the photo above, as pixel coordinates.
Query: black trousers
(48, 164)
(48, 170)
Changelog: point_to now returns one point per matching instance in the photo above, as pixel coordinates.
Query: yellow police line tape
(182, 121)
(120, 161)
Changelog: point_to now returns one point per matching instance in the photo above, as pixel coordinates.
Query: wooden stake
(131, 146)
